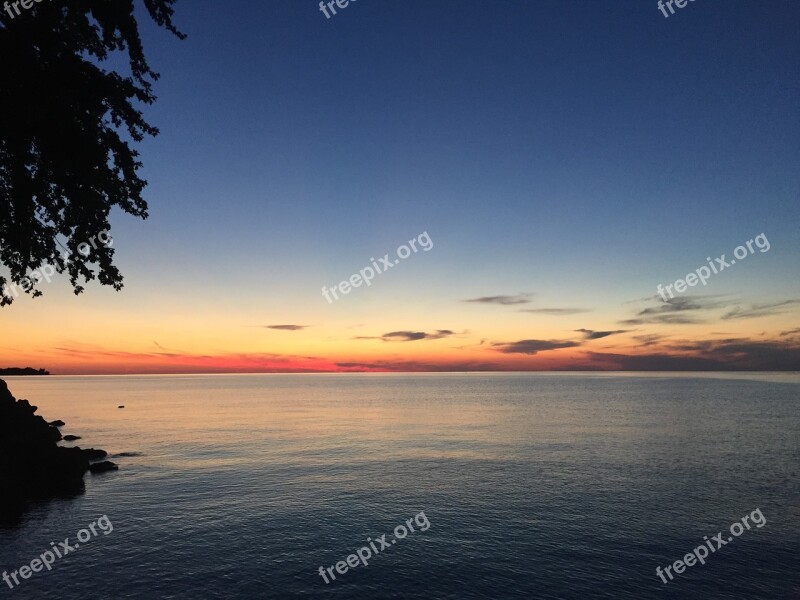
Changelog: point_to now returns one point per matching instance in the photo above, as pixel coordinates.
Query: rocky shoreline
(32, 464)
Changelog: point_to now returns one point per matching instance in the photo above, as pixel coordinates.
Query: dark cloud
(409, 336)
(760, 310)
(596, 335)
(672, 311)
(710, 355)
(404, 336)
(790, 332)
(504, 300)
(533, 346)
(286, 327)
(648, 339)
(159, 346)
(757, 356)
(421, 366)
(692, 346)
(166, 352)
(663, 320)
(556, 311)
(684, 303)
(658, 362)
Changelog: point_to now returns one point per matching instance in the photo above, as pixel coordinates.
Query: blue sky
(568, 130)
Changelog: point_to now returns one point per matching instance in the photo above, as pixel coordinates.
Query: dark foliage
(68, 126)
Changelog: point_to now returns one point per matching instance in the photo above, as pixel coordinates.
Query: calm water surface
(534, 485)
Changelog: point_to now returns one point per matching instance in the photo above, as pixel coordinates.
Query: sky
(554, 161)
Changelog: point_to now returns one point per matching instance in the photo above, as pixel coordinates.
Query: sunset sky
(564, 157)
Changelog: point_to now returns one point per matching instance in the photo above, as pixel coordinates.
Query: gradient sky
(565, 158)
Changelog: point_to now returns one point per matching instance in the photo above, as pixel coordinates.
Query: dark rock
(102, 467)
(56, 423)
(32, 465)
(55, 434)
(92, 454)
(71, 438)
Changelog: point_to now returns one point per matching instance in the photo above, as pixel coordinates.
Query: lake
(574, 485)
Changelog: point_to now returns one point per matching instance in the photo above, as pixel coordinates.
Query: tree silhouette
(67, 126)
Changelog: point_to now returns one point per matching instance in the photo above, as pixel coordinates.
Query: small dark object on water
(71, 438)
(57, 423)
(121, 406)
(102, 467)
